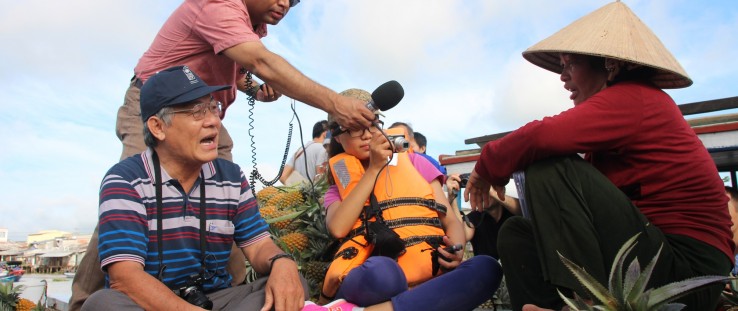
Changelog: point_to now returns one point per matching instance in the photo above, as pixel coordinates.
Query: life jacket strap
(400, 222)
(429, 203)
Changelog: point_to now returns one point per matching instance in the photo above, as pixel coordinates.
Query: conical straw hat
(612, 31)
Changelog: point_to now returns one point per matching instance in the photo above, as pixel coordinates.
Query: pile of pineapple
(25, 305)
(10, 299)
(296, 221)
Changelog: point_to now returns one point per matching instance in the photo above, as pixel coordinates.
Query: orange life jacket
(407, 207)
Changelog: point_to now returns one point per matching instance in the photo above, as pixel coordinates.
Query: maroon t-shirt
(636, 136)
(195, 35)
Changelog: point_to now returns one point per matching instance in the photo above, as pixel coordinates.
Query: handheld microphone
(386, 96)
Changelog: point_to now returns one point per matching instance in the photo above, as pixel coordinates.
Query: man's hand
(283, 288)
(477, 192)
(352, 113)
(266, 93)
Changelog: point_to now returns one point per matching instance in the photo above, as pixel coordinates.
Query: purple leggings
(380, 279)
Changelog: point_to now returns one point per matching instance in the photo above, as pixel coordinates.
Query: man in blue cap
(169, 216)
(221, 41)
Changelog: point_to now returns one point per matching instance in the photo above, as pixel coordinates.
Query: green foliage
(628, 291)
(9, 295)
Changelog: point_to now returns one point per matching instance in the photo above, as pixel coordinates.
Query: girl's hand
(379, 150)
(452, 251)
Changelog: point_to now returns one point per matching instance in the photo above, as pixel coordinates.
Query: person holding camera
(169, 215)
(482, 227)
(394, 233)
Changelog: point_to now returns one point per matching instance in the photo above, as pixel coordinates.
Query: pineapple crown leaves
(591, 284)
(616, 273)
(630, 293)
(661, 296)
(576, 303)
(289, 216)
(9, 295)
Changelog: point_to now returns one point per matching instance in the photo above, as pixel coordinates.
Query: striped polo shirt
(128, 220)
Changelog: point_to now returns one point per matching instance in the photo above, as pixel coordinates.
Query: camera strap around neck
(159, 220)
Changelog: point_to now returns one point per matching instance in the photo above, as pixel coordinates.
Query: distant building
(46, 235)
(3, 235)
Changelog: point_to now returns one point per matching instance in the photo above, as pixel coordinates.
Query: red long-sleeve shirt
(636, 136)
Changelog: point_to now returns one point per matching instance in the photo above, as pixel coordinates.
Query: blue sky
(66, 64)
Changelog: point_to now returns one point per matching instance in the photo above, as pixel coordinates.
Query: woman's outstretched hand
(477, 192)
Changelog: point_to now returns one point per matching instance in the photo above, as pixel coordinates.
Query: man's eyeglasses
(198, 111)
(294, 2)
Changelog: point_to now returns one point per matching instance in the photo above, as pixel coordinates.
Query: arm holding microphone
(287, 80)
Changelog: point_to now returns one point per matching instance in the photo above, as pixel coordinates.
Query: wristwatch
(278, 256)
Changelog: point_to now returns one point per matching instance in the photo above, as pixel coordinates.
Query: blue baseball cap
(173, 86)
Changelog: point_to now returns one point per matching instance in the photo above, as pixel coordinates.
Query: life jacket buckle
(349, 253)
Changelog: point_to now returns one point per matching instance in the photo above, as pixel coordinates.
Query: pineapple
(265, 194)
(268, 211)
(288, 199)
(315, 270)
(630, 293)
(296, 242)
(279, 218)
(297, 225)
(25, 305)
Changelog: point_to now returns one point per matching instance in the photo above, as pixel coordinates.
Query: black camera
(396, 137)
(463, 179)
(193, 293)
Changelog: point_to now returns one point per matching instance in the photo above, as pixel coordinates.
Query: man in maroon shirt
(645, 171)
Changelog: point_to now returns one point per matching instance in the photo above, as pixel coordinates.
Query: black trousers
(578, 212)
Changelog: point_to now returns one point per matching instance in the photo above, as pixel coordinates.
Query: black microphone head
(388, 95)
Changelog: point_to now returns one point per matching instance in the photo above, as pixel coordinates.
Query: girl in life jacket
(390, 218)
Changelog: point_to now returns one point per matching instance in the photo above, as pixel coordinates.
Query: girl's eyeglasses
(359, 133)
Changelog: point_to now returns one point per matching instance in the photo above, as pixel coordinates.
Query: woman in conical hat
(644, 170)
